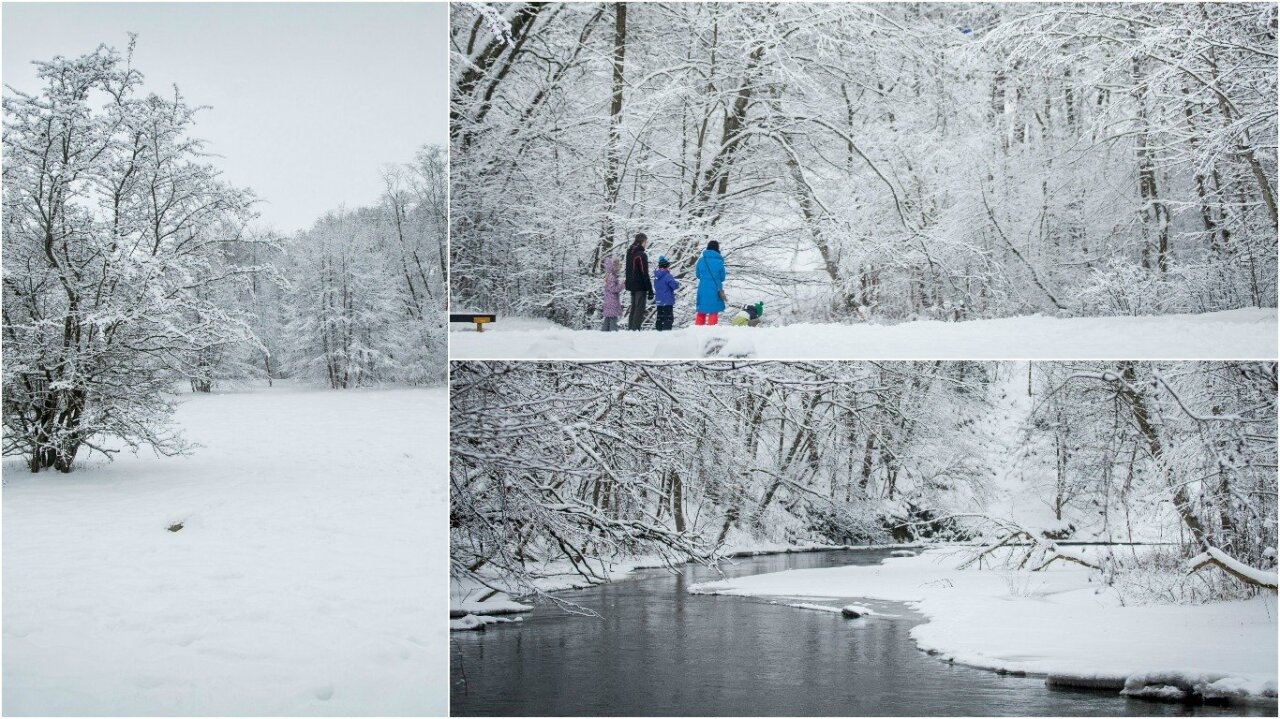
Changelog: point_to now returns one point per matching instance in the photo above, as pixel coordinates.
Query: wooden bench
(479, 319)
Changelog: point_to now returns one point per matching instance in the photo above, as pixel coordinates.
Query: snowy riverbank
(1239, 334)
(1055, 623)
(300, 583)
(469, 601)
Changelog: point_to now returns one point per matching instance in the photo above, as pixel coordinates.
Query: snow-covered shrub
(1120, 287)
(1021, 583)
(1159, 576)
(852, 525)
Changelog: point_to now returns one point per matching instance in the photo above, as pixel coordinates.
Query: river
(657, 650)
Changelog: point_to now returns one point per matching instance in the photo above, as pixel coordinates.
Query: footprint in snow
(712, 346)
(324, 692)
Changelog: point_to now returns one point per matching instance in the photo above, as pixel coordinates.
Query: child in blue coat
(664, 294)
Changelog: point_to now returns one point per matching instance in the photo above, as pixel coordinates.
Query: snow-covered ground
(1055, 623)
(1234, 334)
(307, 578)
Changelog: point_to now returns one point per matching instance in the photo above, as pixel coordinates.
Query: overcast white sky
(309, 101)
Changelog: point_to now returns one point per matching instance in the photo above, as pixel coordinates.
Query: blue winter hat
(663, 261)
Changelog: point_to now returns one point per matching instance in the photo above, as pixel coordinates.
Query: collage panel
(859, 538)
(863, 181)
(225, 354)
(318, 317)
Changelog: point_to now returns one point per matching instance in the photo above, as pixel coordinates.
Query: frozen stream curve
(658, 650)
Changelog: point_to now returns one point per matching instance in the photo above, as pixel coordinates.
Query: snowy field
(1054, 623)
(1236, 334)
(303, 580)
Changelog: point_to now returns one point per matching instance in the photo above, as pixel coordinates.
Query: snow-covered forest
(883, 162)
(576, 469)
(132, 269)
(364, 293)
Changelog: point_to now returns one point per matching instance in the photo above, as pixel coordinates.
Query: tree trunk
(1143, 419)
(677, 500)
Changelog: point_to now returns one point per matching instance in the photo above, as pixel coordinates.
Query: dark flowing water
(657, 650)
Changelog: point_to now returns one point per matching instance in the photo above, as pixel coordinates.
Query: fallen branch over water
(1030, 543)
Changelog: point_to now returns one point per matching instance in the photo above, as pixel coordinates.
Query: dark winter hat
(663, 261)
(713, 245)
(641, 237)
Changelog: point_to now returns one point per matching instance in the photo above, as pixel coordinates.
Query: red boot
(699, 318)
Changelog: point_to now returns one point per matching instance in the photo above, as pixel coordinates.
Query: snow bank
(560, 576)
(473, 622)
(497, 605)
(556, 576)
(1239, 334)
(1055, 623)
(301, 582)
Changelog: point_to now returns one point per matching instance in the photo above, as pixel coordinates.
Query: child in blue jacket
(664, 294)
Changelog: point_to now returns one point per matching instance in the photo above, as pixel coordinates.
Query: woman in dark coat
(638, 282)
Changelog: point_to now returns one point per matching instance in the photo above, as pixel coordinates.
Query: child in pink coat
(612, 303)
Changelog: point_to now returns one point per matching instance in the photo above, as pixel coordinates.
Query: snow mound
(1192, 687)
(739, 348)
